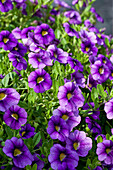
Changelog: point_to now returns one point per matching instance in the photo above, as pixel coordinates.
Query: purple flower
(91, 82)
(95, 114)
(70, 31)
(1, 77)
(74, 2)
(74, 17)
(88, 37)
(70, 96)
(104, 60)
(78, 142)
(27, 131)
(105, 151)
(93, 126)
(78, 78)
(44, 34)
(57, 128)
(111, 73)
(15, 116)
(57, 54)
(6, 5)
(39, 80)
(40, 59)
(40, 163)
(17, 61)
(16, 149)
(69, 117)
(17, 33)
(19, 49)
(61, 156)
(108, 108)
(8, 97)
(7, 40)
(89, 48)
(75, 64)
(100, 71)
(62, 3)
(99, 18)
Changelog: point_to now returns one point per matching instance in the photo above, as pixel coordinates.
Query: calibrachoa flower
(61, 156)
(39, 80)
(44, 34)
(78, 142)
(70, 96)
(69, 117)
(19, 49)
(109, 109)
(91, 82)
(105, 151)
(18, 151)
(75, 64)
(89, 48)
(78, 78)
(70, 31)
(15, 116)
(57, 128)
(7, 40)
(8, 97)
(17, 61)
(40, 163)
(17, 33)
(6, 5)
(57, 54)
(74, 17)
(27, 131)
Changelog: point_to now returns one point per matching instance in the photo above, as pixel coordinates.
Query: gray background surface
(105, 9)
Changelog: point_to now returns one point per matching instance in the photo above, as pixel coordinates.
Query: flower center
(5, 40)
(90, 85)
(2, 96)
(23, 133)
(15, 116)
(17, 152)
(65, 117)
(39, 79)
(44, 33)
(75, 145)
(101, 70)
(39, 59)
(57, 128)
(62, 156)
(87, 49)
(104, 61)
(69, 95)
(112, 74)
(3, 1)
(108, 150)
(16, 48)
(55, 55)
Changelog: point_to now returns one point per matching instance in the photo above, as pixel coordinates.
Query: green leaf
(34, 167)
(5, 80)
(101, 91)
(99, 139)
(9, 132)
(28, 167)
(36, 139)
(32, 96)
(94, 93)
(107, 42)
(107, 136)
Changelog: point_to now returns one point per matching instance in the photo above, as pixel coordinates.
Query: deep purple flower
(89, 48)
(62, 3)
(61, 156)
(17, 33)
(69, 117)
(104, 60)
(91, 82)
(8, 97)
(100, 71)
(75, 64)
(74, 2)
(6, 5)
(19, 49)
(44, 34)
(27, 131)
(111, 73)
(70, 96)
(88, 37)
(93, 126)
(15, 116)
(17, 61)
(78, 142)
(99, 18)
(40, 59)
(39, 80)
(70, 31)
(16, 149)
(95, 114)
(57, 54)
(74, 17)
(105, 151)
(78, 78)
(40, 163)
(57, 128)
(7, 40)
(109, 109)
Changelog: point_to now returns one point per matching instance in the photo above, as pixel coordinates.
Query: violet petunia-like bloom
(15, 116)
(7, 40)
(27, 131)
(105, 151)
(57, 54)
(61, 3)
(74, 17)
(108, 108)
(44, 34)
(8, 98)
(40, 163)
(74, 2)
(39, 80)
(75, 64)
(89, 48)
(69, 117)
(40, 59)
(57, 128)
(17, 61)
(100, 71)
(17, 33)
(70, 31)
(70, 96)
(18, 151)
(19, 49)
(78, 142)
(78, 78)
(6, 5)
(60, 156)
(91, 82)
